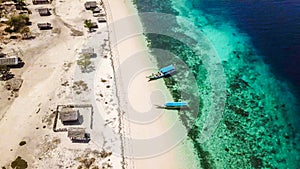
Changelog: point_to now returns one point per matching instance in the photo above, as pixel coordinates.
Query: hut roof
(101, 19)
(96, 10)
(44, 11)
(14, 84)
(67, 115)
(44, 25)
(76, 133)
(88, 51)
(40, 1)
(90, 4)
(9, 61)
(8, 3)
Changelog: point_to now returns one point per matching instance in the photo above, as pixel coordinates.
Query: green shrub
(16, 23)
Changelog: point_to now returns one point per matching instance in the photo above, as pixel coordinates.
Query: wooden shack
(78, 134)
(90, 5)
(9, 61)
(44, 11)
(37, 2)
(68, 115)
(44, 26)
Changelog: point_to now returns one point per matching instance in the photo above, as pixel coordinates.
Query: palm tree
(88, 24)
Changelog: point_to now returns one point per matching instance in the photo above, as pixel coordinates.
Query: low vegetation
(5, 73)
(22, 143)
(17, 23)
(79, 86)
(84, 62)
(88, 24)
(19, 163)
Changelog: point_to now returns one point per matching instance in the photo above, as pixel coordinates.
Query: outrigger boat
(164, 72)
(175, 105)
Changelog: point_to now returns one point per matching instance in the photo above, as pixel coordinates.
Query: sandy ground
(49, 75)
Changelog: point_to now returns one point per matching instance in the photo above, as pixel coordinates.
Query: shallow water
(257, 43)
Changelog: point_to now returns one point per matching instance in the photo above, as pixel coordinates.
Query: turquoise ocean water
(258, 44)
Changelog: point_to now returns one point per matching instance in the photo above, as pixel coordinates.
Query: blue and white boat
(176, 105)
(164, 72)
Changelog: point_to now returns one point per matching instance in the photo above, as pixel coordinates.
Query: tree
(84, 61)
(25, 32)
(88, 24)
(20, 4)
(17, 22)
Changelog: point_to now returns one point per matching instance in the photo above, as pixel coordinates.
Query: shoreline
(139, 45)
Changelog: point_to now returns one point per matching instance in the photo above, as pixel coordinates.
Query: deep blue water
(274, 28)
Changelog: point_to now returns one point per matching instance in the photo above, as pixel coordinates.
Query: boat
(176, 105)
(163, 72)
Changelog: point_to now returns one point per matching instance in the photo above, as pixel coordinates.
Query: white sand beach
(142, 96)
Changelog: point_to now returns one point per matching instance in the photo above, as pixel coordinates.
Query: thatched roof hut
(44, 11)
(90, 4)
(14, 84)
(77, 134)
